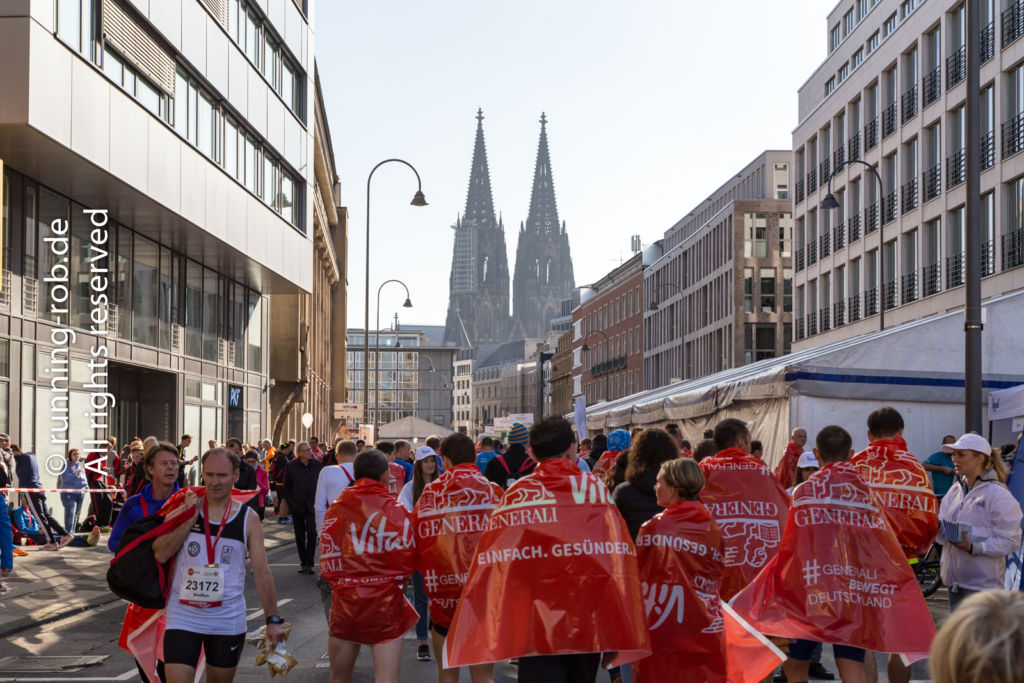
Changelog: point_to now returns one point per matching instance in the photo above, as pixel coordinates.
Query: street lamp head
(586, 347)
(408, 303)
(653, 306)
(398, 343)
(419, 199)
(829, 202)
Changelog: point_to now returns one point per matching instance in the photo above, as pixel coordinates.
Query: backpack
(523, 470)
(134, 574)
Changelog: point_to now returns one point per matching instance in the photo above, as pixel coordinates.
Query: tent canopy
(921, 361)
(1006, 403)
(412, 428)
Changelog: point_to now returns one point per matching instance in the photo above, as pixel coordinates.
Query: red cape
(901, 485)
(750, 506)
(680, 554)
(367, 553)
(448, 520)
(605, 463)
(785, 471)
(554, 573)
(396, 478)
(840, 576)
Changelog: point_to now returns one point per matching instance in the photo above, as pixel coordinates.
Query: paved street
(67, 591)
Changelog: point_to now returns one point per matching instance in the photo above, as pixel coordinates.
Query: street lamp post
(585, 347)
(417, 200)
(829, 202)
(376, 352)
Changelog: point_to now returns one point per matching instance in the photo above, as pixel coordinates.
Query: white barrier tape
(62, 490)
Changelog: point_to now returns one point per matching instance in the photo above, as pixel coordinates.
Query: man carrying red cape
(900, 483)
(840, 576)
(204, 623)
(448, 520)
(367, 553)
(748, 503)
(554, 581)
(785, 471)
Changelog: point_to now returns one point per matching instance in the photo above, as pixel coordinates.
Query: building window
(830, 86)
(758, 341)
(767, 290)
(748, 290)
(844, 72)
(890, 24)
(848, 23)
(874, 40)
(858, 57)
(787, 290)
(267, 54)
(834, 38)
(756, 243)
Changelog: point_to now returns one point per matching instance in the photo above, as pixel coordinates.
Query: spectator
(757, 450)
(99, 468)
(988, 516)
(486, 453)
(160, 466)
(183, 459)
(262, 481)
(27, 468)
(785, 471)
(708, 434)
(396, 473)
(705, 449)
(73, 477)
(677, 434)
(982, 642)
(635, 497)
(506, 468)
(334, 479)
(616, 473)
(246, 474)
(805, 467)
(134, 473)
(585, 446)
(940, 464)
(360, 445)
(618, 441)
(597, 450)
(686, 449)
(276, 476)
(424, 472)
(300, 482)
(314, 443)
(403, 456)
(6, 541)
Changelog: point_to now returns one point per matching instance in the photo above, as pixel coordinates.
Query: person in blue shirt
(486, 453)
(940, 464)
(161, 467)
(6, 543)
(403, 456)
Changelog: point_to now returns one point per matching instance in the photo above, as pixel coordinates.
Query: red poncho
(901, 485)
(396, 478)
(554, 573)
(840, 576)
(750, 506)
(367, 553)
(448, 520)
(605, 463)
(785, 471)
(680, 554)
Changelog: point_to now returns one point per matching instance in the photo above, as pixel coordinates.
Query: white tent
(916, 367)
(411, 428)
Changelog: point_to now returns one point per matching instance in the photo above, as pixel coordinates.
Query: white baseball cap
(807, 459)
(972, 442)
(424, 452)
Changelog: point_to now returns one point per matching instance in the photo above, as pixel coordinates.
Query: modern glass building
(157, 180)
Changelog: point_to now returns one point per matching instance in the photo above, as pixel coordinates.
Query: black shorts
(183, 647)
(439, 630)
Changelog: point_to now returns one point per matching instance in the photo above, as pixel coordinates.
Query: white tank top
(229, 618)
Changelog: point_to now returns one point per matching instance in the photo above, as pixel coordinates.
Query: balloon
(307, 420)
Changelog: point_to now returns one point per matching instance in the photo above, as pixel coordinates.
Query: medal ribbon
(212, 547)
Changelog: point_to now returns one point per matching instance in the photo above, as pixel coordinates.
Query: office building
(891, 93)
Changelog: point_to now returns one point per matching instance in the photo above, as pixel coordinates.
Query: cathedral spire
(543, 216)
(479, 201)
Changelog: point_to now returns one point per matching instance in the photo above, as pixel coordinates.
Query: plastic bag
(278, 660)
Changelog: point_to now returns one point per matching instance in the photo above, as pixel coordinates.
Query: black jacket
(637, 501)
(299, 487)
(519, 465)
(247, 482)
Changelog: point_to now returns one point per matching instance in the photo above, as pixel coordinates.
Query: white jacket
(993, 516)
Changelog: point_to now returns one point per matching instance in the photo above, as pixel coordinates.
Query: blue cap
(618, 440)
(518, 433)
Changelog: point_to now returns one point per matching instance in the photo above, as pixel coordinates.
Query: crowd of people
(635, 552)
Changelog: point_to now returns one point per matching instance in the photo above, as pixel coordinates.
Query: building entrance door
(146, 403)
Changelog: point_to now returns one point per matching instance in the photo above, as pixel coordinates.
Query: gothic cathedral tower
(478, 306)
(543, 277)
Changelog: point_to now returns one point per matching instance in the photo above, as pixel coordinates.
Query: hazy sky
(651, 105)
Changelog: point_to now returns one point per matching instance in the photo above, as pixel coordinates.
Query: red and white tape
(62, 490)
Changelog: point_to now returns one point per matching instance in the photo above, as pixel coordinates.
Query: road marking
(258, 612)
(126, 676)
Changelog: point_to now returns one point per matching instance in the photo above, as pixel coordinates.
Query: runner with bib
(206, 606)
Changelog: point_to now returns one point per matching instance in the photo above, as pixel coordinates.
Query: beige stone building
(891, 92)
(307, 357)
(720, 295)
